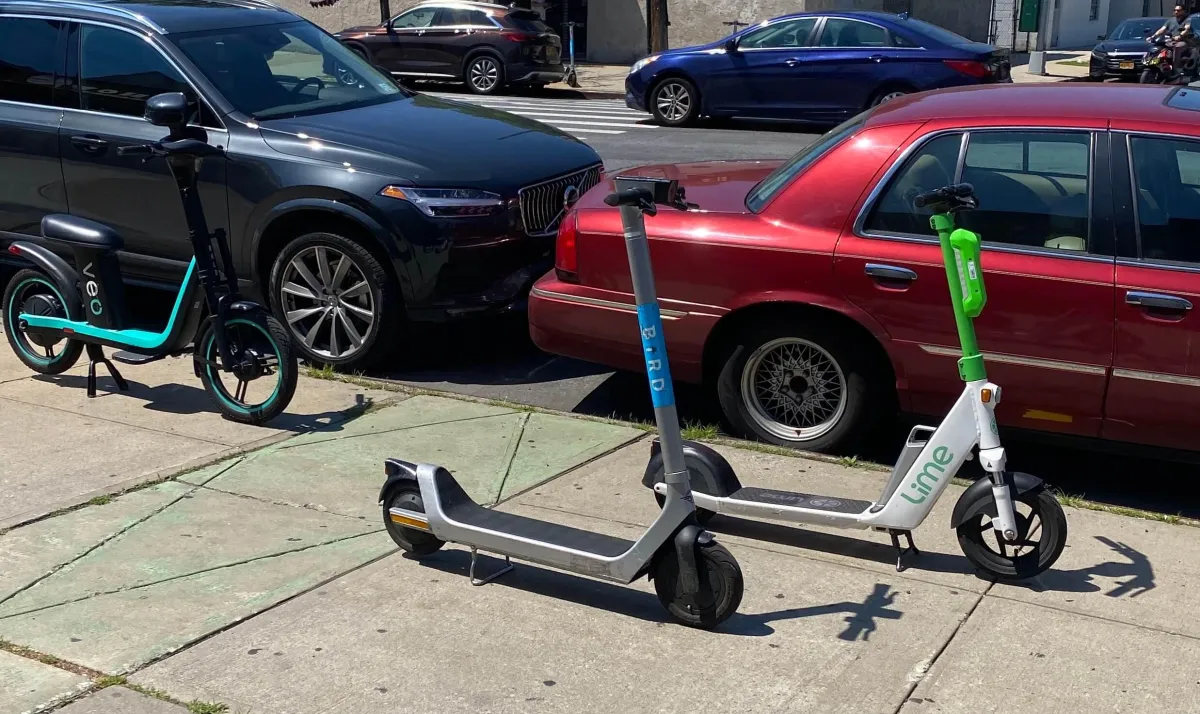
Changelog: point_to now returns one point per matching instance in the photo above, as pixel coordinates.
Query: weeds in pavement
(198, 707)
(694, 431)
(322, 372)
(150, 692)
(109, 681)
(100, 500)
(848, 461)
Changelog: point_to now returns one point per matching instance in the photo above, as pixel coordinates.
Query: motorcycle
(1160, 61)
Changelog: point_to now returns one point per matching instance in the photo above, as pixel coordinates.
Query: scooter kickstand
(484, 581)
(96, 356)
(901, 552)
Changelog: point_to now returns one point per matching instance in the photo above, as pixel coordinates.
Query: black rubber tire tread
(500, 79)
(385, 291)
(693, 113)
(724, 574)
(1053, 540)
(71, 351)
(287, 375)
(863, 384)
(410, 541)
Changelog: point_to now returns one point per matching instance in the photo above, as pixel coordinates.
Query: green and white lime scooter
(1024, 520)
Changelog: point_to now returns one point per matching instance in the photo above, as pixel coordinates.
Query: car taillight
(971, 68)
(566, 253)
(14, 249)
(518, 36)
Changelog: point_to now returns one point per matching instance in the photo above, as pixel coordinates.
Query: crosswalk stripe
(561, 107)
(572, 121)
(629, 123)
(579, 130)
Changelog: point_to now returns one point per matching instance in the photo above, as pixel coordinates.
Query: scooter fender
(710, 473)
(398, 472)
(63, 275)
(977, 498)
(241, 308)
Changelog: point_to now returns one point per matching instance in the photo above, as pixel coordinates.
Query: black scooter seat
(71, 230)
(458, 506)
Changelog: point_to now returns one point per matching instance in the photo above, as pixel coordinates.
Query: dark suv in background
(352, 205)
(489, 47)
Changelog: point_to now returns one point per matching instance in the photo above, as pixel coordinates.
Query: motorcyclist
(1180, 37)
(1172, 26)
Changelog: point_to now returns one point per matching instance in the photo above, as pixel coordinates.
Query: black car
(1121, 53)
(352, 205)
(489, 47)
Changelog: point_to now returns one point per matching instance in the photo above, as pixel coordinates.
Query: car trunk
(539, 43)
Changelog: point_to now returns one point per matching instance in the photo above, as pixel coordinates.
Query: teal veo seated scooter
(1027, 540)
(52, 312)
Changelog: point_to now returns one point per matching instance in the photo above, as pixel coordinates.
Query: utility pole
(385, 11)
(656, 16)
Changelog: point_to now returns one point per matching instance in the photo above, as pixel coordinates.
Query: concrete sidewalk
(264, 583)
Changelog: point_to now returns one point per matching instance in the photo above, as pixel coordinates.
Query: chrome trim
(1021, 361)
(1158, 265)
(889, 272)
(1142, 298)
(543, 220)
(112, 10)
(424, 74)
(597, 302)
(1157, 377)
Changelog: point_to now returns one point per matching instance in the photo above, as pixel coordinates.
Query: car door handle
(876, 58)
(792, 61)
(889, 273)
(1157, 301)
(89, 143)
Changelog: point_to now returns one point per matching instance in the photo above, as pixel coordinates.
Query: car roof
(861, 14)
(163, 16)
(466, 3)
(1049, 100)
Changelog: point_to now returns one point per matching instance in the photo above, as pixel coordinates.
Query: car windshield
(1136, 29)
(286, 70)
(528, 22)
(766, 189)
(939, 34)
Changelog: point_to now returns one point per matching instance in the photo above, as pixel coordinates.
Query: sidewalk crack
(391, 431)
(512, 457)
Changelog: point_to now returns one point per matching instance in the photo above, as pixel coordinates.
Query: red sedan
(809, 295)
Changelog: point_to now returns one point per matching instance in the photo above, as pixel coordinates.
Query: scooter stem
(654, 346)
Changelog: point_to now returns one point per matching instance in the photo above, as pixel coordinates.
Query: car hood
(714, 186)
(430, 142)
(359, 30)
(1110, 46)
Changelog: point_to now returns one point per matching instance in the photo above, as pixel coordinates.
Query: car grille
(542, 204)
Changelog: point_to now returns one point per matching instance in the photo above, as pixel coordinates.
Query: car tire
(1148, 76)
(360, 298)
(887, 94)
(799, 384)
(674, 101)
(484, 74)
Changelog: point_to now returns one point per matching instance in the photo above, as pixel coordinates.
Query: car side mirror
(731, 46)
(170, 110)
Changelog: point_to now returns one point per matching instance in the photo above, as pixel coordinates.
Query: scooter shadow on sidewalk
(185, 399)
(1137, 568)
(860, 616)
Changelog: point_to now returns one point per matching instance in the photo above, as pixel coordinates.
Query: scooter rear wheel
(724, 582)
(262, 334)
(31, 292)
(1041, 537)
(408, 497)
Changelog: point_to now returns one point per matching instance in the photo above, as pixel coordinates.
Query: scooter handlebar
(959, 193)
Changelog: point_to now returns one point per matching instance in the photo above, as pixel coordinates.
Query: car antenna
(904, 15)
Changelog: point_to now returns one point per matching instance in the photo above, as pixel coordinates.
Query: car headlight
(448, 202)
(637, 66)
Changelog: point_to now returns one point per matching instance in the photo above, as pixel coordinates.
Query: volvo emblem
(570, 196)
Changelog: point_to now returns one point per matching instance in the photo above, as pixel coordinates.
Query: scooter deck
(768, 497)
(458, 506)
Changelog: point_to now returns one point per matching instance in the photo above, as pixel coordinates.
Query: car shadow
(860, 617)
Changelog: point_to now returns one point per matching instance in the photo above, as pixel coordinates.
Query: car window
(938, 34)
(1137, 29)
(285, 70)
(526, 21)
(766, 189)
(839, 32)
(787, 34)
(119, 71)
(1167, 173)
(28, 58)
(421, 17)
(1032, 188)
(930, 167)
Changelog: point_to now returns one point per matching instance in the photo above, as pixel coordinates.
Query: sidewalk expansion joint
(390, 431)
(202, 571)
(631, 440)
(111, 537)
(289, 504)
(512, 456)
(917, 675)
(1101, 618)
(119, 422)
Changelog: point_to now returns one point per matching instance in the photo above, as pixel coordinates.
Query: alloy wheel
(794, 389)
(327, 302)
(889, 97)
(674, 101)
(484, 74)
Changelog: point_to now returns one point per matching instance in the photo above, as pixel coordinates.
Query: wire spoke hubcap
(327, 302)
(793, 389)
(484, 74)
(674, 102)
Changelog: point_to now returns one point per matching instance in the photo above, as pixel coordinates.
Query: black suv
(488, 47)
(352, 204)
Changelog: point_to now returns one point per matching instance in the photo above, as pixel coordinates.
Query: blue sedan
(820, 67)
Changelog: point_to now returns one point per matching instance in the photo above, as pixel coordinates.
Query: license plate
(1127, 65)
(553, 55)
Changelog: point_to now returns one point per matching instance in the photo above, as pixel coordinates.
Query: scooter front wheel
(1041, 537)
(31, 292)
(263, 351)
(724, 581)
